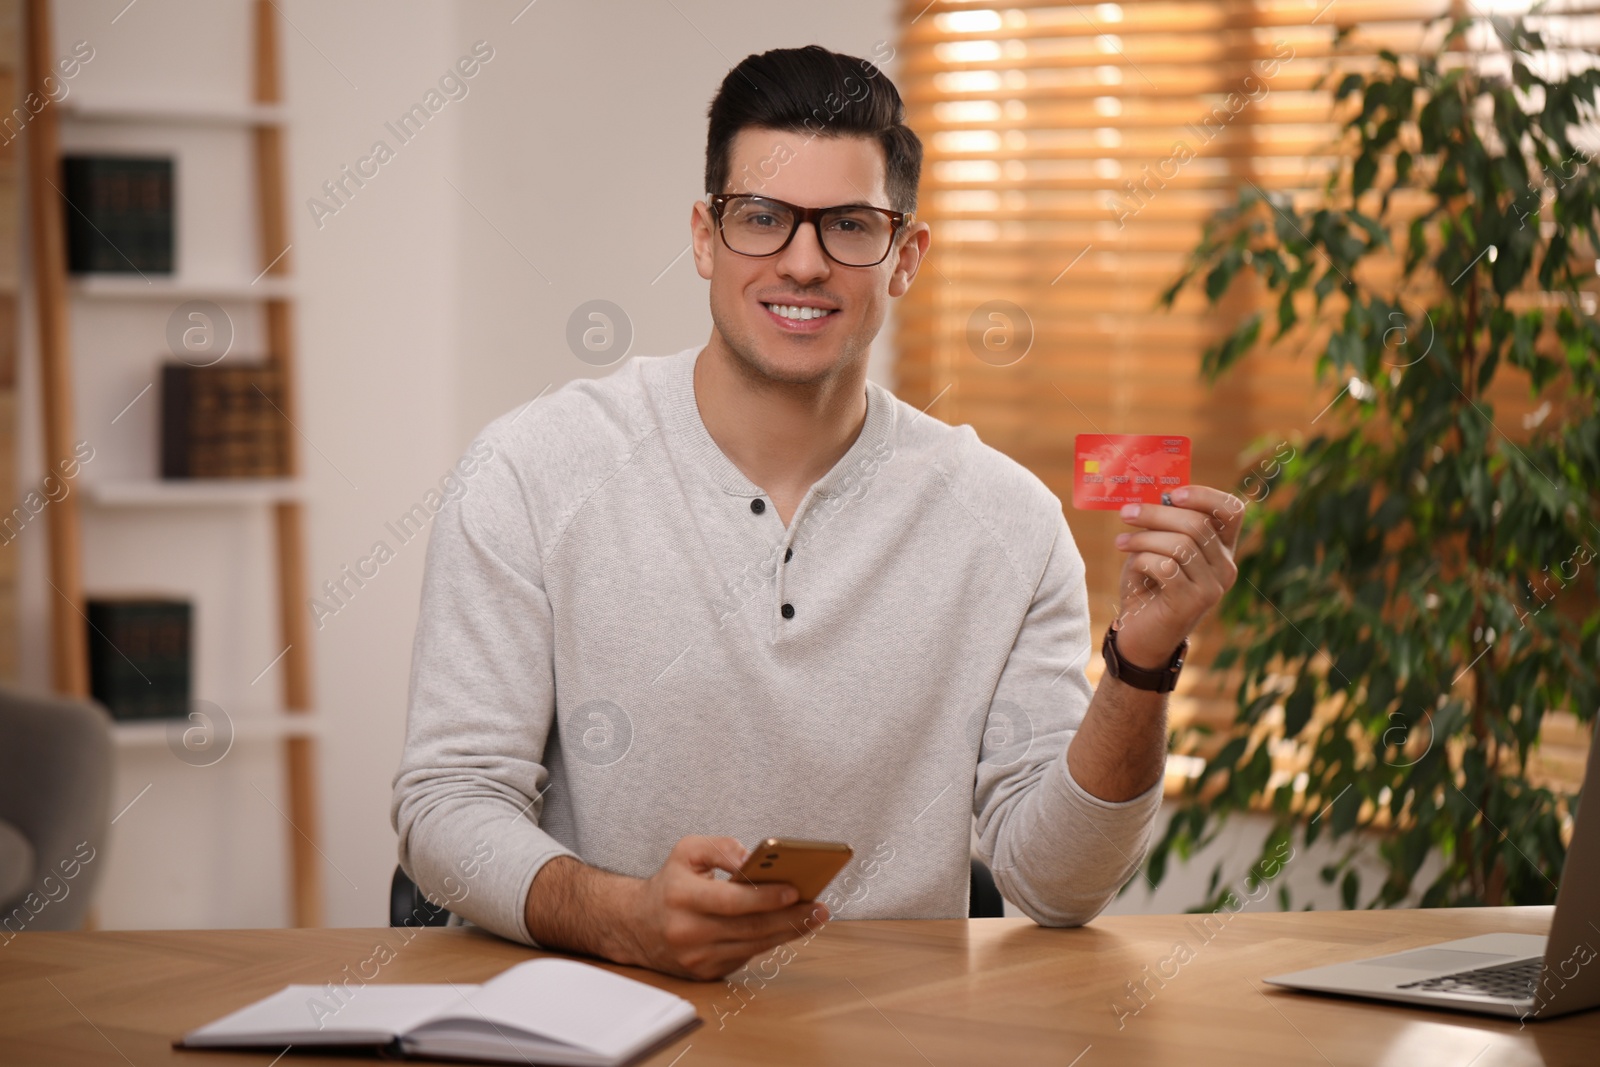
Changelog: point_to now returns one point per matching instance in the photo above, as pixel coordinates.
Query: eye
(854, 223)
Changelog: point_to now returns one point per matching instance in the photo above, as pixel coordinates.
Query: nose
(804, 262)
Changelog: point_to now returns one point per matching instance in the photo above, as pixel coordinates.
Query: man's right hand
(682, 920)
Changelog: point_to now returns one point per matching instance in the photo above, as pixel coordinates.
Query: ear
(703, 236)
(913, 247)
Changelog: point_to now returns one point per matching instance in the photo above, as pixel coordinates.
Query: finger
(1225, 508)
(1162, 572)
(711, 853)
(773, 927)
(1179, 548)
(1203, 530)
(718, 898)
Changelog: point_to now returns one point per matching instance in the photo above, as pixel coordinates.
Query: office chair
(986, 902)
(407, 907)
(55, 808)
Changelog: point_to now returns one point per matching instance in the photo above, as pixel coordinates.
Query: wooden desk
(921, 993)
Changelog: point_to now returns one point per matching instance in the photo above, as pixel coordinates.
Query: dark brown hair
(812, 90)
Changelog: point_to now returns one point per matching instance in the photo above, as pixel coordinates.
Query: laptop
(1525, 976)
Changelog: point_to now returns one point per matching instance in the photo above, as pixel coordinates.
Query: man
(742, 592)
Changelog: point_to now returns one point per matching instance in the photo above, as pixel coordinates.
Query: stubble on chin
(748, 359)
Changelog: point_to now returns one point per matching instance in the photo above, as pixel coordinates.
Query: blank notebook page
(370, 1013)
(573, 1003)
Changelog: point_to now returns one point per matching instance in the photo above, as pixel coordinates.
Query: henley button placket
(758, 506)
(788, 609)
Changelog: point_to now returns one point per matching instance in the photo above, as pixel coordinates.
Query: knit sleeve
(468, 794)
(1058, 853)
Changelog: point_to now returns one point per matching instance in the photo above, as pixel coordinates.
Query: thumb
(708, 853)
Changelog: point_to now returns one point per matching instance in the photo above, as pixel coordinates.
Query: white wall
(380, 331)
(585, 148)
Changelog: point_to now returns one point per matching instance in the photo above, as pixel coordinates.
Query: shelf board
(256, 727)
(195, 492)
(168, 288)
(175, 111)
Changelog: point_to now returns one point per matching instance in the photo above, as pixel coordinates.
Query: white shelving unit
(230, 544)
(166, 290)
(156, 733)
(168, 112)
(196, 492)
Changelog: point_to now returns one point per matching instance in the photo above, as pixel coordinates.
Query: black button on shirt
(788, 611)
(758, 505)
(788, 554)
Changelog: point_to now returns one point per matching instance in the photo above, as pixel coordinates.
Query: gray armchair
(55, 809)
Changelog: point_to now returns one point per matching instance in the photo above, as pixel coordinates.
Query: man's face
(816, 172)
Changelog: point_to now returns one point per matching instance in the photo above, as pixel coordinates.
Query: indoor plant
(1417, 587)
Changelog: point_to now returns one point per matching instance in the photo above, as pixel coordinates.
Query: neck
(783, 436)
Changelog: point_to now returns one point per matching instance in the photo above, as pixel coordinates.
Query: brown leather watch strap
(1160, 680)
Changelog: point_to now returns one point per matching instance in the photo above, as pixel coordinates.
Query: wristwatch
(1161, 680)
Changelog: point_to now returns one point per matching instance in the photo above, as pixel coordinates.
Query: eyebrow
(848, 203)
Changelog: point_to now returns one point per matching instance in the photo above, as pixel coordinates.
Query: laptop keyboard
(1505, 981)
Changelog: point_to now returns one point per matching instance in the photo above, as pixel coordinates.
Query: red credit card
(1113, 469)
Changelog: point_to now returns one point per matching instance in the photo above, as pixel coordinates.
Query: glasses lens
(856, 236)
(756, 227)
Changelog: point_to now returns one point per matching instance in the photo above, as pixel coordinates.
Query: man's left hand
(1180, 563)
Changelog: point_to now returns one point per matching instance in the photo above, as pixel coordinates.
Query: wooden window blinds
(1072, 154)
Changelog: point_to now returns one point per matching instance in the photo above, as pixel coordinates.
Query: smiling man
(742, 592)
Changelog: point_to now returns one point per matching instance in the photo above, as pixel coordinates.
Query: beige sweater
(620, 644)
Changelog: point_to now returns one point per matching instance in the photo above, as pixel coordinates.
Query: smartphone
(807, 865)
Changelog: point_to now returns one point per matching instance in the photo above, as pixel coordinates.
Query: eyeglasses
(853, 235)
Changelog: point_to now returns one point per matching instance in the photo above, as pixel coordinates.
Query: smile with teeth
(791, 311)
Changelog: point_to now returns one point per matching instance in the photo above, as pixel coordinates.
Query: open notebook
(545, 1011)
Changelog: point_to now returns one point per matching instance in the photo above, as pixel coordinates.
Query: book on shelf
(548, 1010)
(222, 421)
(119, 214)
(140, 655)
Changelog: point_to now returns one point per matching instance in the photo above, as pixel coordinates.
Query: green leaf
(1235, 345)
(1366, 168)
(1297, 709)
(1221, 276)
(1349, 888)
(1346, 806)
(1287, 316)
